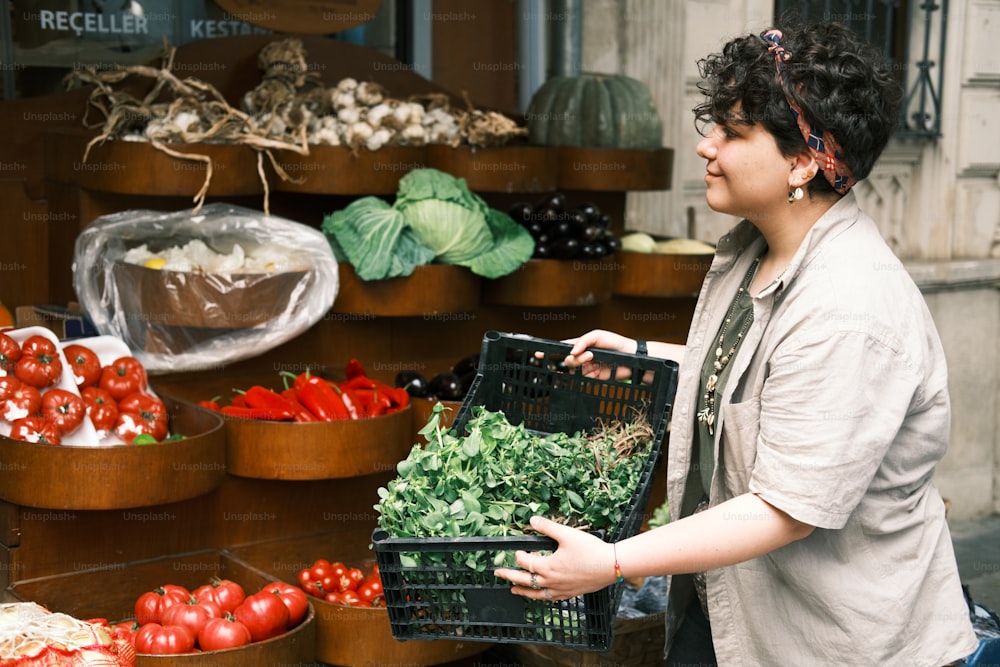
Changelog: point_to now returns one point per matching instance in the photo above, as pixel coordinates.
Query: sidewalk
(977, 550)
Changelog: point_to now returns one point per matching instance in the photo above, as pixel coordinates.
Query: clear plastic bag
(198, 291)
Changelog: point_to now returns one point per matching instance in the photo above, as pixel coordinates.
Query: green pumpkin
(594, 111)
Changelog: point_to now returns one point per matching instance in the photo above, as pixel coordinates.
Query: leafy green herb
(490, 481)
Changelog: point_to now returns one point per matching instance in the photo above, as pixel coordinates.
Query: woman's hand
(582, 563)
(581, 355)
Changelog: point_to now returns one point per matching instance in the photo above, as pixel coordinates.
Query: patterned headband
(822, 145)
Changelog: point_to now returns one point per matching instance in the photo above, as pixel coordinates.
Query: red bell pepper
(254, 413)
(375, 402)
(355, 409)
(354, 369)
(302, 413)
(263, 398)
(319, 397)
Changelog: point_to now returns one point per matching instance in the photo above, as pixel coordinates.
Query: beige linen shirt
(836, 412)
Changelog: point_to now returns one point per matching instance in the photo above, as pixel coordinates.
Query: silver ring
(548, 594)
(534, 582)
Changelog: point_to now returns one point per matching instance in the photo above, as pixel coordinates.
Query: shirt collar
(744, 240)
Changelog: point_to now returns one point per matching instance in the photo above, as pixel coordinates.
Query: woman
(812, 405)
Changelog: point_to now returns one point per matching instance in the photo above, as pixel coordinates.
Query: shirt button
(684, 410)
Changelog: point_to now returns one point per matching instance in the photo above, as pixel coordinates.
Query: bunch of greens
(435, 218)
(492, 480)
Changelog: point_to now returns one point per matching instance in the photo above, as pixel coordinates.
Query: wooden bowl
(350, 636)
(110, 593)
(430, 289)
(514, 168)
(118, 476)
(660, 276)
(128, 167)
(614, 169)
(554, 283)
(335, 170)
(155, 297)
(317, 450)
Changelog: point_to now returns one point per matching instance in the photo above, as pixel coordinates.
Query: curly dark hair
(837, 79)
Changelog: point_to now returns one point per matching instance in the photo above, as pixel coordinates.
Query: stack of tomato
(172, 619)
(342, 584)
(308, 397)
(114, 397)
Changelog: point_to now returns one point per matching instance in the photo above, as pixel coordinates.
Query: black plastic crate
(521, 376)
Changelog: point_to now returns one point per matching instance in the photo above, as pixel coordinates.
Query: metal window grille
(911, 35)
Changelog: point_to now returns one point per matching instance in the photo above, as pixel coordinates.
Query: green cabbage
(372, 236)
(435, 218)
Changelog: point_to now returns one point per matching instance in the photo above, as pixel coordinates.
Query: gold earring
(795, 195)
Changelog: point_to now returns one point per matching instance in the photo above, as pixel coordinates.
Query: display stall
(89, 526)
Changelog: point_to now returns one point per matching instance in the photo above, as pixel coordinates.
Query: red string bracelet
(618, 568)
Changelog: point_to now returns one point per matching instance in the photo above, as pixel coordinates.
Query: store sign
(93, 22)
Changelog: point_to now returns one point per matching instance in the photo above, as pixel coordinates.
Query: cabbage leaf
(373, 237)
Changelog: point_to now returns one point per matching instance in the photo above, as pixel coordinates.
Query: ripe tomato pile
(172, 619)
(341, 584)
(114, 397)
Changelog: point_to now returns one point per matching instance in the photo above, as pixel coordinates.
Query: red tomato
(35, 429)
(369, 591)
(264, 614)
(18, 399)
(84, 363)
(150, 606)
(314, 589)
(350, 597)
(123, 376)
(125, 630)
(225, 632)
(10, 352)
(64, 409)
(335, 598)
(101, 408)
(351, 579)
(338, 570)
(164, 639)
(293, 597)
(227, 594)
(39, 365)
(192, 614)
(141, 413)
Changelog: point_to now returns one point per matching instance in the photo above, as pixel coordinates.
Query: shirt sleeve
(830, 409)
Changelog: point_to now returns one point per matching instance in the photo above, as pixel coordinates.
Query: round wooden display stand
(294, 647)
(660, 276)
(435, 288)
(336, 170)
(614, 169)
(110, 593)
(317, 450)
(118, 476)
(350, 636)
(130, 167)
(554, 282)
(514, 168)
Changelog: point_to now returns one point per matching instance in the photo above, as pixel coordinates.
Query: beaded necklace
(706, 415)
